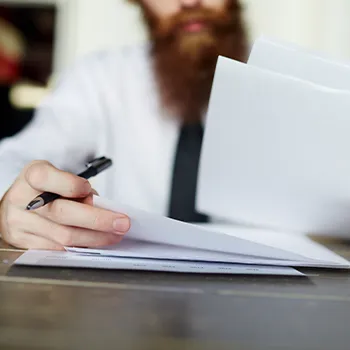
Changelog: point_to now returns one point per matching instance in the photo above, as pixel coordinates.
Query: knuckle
(37, 173)
(12, 218)
(11, 237)
(65, 236)
(13, 196)
(36, 163)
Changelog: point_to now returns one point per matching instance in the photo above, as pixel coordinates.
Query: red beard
(184, 62)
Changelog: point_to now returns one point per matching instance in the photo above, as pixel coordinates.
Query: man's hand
(64, 222)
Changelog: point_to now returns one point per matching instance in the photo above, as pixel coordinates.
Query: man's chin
(195, 45)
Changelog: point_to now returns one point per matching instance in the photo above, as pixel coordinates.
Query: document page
(67, 259)
(156, 237)
(275, 152)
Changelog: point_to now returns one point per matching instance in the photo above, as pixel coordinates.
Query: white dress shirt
(106, 105)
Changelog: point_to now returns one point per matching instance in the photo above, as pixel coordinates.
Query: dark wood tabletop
(54, 308)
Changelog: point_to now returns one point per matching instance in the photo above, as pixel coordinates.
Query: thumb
(89, 200)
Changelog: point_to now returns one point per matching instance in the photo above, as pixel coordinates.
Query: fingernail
(87, 187)
(121, 225)
(93, 191)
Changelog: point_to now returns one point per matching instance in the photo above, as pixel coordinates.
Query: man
(143, 107)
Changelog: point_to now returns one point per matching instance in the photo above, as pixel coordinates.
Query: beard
(184, 62)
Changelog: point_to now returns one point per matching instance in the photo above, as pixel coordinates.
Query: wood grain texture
(45, 308)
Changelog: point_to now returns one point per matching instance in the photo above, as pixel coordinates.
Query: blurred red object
(11, 52)
(9, 69)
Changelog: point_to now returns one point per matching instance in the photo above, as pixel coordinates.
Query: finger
(67, 235)
(71, 213)
(89, 200)
(29, 241)
(43, 176)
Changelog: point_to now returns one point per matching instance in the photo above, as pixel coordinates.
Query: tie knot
(194, 130)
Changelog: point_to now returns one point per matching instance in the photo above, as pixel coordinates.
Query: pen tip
(35, 204)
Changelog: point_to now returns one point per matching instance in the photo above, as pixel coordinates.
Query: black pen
(94, 167)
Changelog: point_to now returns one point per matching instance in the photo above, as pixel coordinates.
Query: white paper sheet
(156, 237)
(276, 152)
(299, 62)
(157, 229)
(65, 259)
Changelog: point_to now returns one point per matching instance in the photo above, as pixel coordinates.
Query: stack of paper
(160, 244)
(276, 156)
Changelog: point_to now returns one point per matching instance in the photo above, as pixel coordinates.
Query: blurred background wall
(46, 36)
(318, 24)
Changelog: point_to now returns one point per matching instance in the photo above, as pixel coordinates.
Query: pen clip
(100, 164)
(95, 162)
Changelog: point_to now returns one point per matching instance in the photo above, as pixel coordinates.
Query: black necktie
(185, 173)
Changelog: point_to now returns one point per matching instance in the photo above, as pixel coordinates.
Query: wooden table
(92, 309)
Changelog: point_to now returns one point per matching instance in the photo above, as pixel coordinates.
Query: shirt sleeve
(63, 130)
